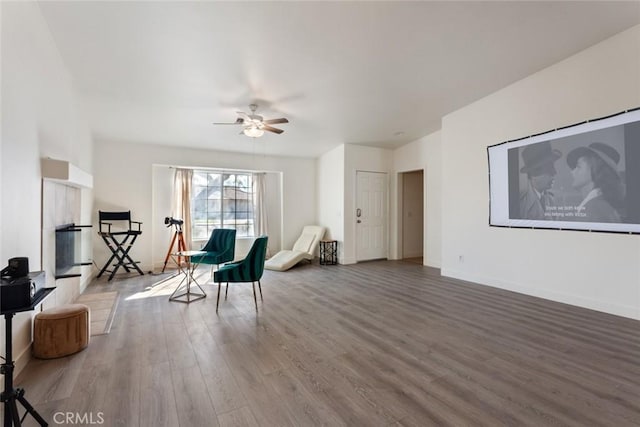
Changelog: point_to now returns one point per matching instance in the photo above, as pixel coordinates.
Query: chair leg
(226, 291)
(260, 287)
(255, 301)
(218, 300)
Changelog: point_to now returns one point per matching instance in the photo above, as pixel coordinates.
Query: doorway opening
(413, 216)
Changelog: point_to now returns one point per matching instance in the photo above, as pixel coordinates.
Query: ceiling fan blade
(271, 129)
(244, 116)
(275, 121)
(238, 121)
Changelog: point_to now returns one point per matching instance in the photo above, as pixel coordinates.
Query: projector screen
(580, 177)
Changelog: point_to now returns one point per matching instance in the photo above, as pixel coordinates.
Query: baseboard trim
(21, 361)
(588, 303)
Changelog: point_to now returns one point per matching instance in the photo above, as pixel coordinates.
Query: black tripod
(10, 395)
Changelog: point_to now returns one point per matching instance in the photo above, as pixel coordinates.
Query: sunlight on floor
(165, 286)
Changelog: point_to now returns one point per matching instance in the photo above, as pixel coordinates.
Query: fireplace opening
(69, 250)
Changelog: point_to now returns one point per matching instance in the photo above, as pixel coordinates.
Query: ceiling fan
(254, 124)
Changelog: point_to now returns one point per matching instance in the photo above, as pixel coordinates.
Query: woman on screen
(595, 175)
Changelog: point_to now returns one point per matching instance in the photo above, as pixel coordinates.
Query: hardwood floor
(385, 343)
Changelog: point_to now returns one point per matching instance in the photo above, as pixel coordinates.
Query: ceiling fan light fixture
(254, 125)
(253, 132)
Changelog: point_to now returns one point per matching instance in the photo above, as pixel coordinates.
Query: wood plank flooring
(385, 343)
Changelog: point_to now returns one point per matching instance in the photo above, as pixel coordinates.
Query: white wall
(359, 158)
(2, 133)
(40, 118)
(424, 153)
(336, 182)
(124, 175)
(595, 270)
(161, 194)
(330, 190)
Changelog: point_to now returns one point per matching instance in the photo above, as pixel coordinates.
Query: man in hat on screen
(538, 160)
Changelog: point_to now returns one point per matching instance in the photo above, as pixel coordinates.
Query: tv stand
(10, 396)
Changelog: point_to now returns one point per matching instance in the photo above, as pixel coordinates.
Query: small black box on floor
(20, 292)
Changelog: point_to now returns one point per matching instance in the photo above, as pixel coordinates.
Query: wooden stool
(61, 331)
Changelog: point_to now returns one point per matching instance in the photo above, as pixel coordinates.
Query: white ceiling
(374, 73)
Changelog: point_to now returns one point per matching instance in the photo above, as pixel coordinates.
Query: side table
(184, 293)
(328, 252)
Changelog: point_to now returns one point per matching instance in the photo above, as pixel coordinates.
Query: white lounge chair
(304, 248)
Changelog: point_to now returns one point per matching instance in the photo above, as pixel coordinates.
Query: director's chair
(119, 240)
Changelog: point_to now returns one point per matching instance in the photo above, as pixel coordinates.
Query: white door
(371, 215)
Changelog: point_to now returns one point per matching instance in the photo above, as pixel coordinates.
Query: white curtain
(260, 222)
(181, 204)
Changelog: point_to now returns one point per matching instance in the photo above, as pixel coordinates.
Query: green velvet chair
(249, 269)
(220, 248)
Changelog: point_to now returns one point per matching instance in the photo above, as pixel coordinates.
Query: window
(221, 200)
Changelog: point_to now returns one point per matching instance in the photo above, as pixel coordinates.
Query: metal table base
(185, 291)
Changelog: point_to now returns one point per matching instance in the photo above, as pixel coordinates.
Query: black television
(584, 177)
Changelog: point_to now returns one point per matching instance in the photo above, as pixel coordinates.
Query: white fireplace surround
(63, 185)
